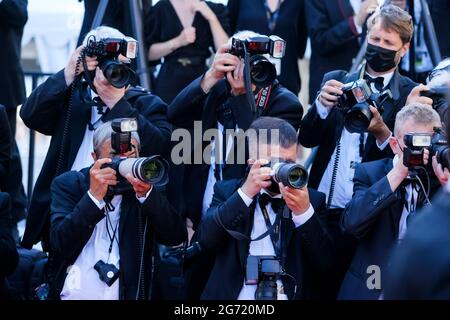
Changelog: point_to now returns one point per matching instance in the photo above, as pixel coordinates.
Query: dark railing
(35, 77)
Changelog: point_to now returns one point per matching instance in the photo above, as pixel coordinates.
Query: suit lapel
(246, 228)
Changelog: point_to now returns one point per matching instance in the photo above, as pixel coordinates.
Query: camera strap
(275, 228)
(113, 230)
(263, 98)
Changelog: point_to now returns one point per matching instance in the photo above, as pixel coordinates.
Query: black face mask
(380, 59)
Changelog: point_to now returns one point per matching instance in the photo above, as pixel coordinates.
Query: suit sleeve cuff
(99, 204)
(247, 200)
(322, 111)
(384, 144)
(142, 199)
(301, 219)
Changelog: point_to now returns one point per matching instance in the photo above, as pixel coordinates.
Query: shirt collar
(386, 78)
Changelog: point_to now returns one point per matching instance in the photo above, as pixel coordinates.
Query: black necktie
(378, 82)
(265, 199)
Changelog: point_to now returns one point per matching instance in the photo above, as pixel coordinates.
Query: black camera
(107, 51)
(355, 101)
(291, 174)
(439, 95)
(263, 271)
(263, 73)
(107, 272)
(416, 143)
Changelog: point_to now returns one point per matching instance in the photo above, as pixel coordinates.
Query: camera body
(263, 271)
(263, 72)
(291, 174)
(107, 51)
(107, 272)
(416, 143)
(355, 101)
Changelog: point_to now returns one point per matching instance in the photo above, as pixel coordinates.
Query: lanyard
(113, 237)
(272, 17)
(275, 233)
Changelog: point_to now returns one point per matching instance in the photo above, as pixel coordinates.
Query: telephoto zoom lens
(290, 174)
(153, 170)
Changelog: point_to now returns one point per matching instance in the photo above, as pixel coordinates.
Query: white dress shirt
(410, 195)
(82, 281)
(84, 155)
(264, 247)
(348, 157)
(209, 190)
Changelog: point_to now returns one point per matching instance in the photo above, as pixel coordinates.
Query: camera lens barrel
(358, 118)
(262, 71)
(153, 170)
(118, 74)
(290, 174)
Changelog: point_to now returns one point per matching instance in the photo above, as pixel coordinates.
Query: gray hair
(419, 113)
(103, 32)
(103, 134)
(440, 76)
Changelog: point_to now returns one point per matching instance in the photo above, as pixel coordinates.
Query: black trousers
(14, 184)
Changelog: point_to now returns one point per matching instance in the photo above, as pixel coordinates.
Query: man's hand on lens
(223, 62)
(69, 70)
(415, 97)
(236, 80)
(141, 188)
(258, 178)
(377, 126)
(441, 173)
(110, 95)
(367, 7)
(100, 179)
(330, 92)
(296, 199)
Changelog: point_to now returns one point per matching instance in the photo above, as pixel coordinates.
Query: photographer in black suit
(67, 108)
(387, 194)
(283, 221)
(13, 16)
(218, 99)
(428, 239)
(389, 32)
(88, 226)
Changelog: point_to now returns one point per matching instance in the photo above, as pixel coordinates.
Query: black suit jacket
(334, 39)
(45, 111)
(440, 11)
(8, 253)
(373, 217)
(422, 252)
(192, 104)
(74, 216)
(5, 146)
(13, 16)
(308, 249)
(326, 132)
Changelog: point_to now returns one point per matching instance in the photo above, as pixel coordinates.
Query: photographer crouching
(95, 87)
(388, 193)
(353, 117)
(105, 220)
(267, 229)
